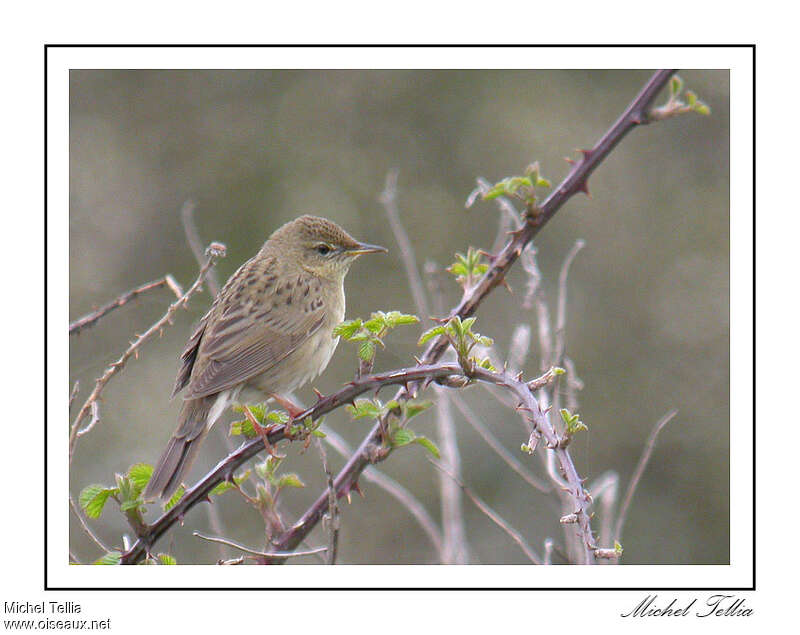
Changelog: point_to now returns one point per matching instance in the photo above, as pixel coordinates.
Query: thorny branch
(215, 250)
(372, 449)
(635, 114)
(91, 318)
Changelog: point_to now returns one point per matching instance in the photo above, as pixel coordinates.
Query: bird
(268, 332)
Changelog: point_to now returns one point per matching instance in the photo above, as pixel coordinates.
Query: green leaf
(139, 475)
(618, 548)
(436, 331)
(458, 269)
(414, 407)
(364, 408)
(290, 480)
(175, 498)
(224, 486)
(675, 85)
(243, 427)
(482, 339)
(691, 98)
(221, 488)
(572, 421)
(347, 329)
(402, 436)
(366, 351)
(395, 318)
(130, 504)
(429, 445)
(702, 109)
(165, 558)
(278, 416)
(112, 557)
(93, 498)
(318, 433)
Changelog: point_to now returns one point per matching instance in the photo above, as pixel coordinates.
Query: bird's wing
(253, 326)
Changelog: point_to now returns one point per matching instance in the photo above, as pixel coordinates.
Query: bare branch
(196, 245)
(456, 550)
(637, 473)
(73, 394)
(91, 318)
(604, 492)
(401, 494)
(388, 199)
(266, 555)
(493, 516)
(79, 515)
(495, 444)
(561, 314)
(333, 508)
(441, 373)
(216, 250)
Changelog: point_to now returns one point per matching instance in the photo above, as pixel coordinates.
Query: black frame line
(47, 587)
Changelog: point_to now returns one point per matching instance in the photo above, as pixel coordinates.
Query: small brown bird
(268, 332)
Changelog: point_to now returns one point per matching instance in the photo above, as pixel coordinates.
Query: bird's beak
(366, 248)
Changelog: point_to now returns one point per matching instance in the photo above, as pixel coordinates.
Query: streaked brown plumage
(268, 332)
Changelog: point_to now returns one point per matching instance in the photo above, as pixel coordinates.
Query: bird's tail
(182, 448)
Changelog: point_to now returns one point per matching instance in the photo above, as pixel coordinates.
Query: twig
(216, 250)
(509, 216)
(79, 515)
(561, 313)
(73, 394)
(548, 551)
(267, 555)
(495, 444)
(604, 492)
(388, 199)
(90, 319)
(456, 548)
(492, 515)
(196, 245)
(576, 181)
(637, 473)
(333, 508)
(395, 489)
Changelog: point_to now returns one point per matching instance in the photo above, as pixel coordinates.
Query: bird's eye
(323, 249)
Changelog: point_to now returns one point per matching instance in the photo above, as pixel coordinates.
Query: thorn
(418, 360)
(355, 486)
(506, 285)
(586, 154)
(319, 395)
(490, 257)
(570, 161)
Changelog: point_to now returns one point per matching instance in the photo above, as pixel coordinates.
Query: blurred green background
(647, 321)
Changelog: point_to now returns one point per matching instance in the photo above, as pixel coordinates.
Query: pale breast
(308, 360)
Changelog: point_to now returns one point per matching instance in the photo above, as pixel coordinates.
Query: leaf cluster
(468, 269)
(370, 333)
(399, 435)
(463, 339)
